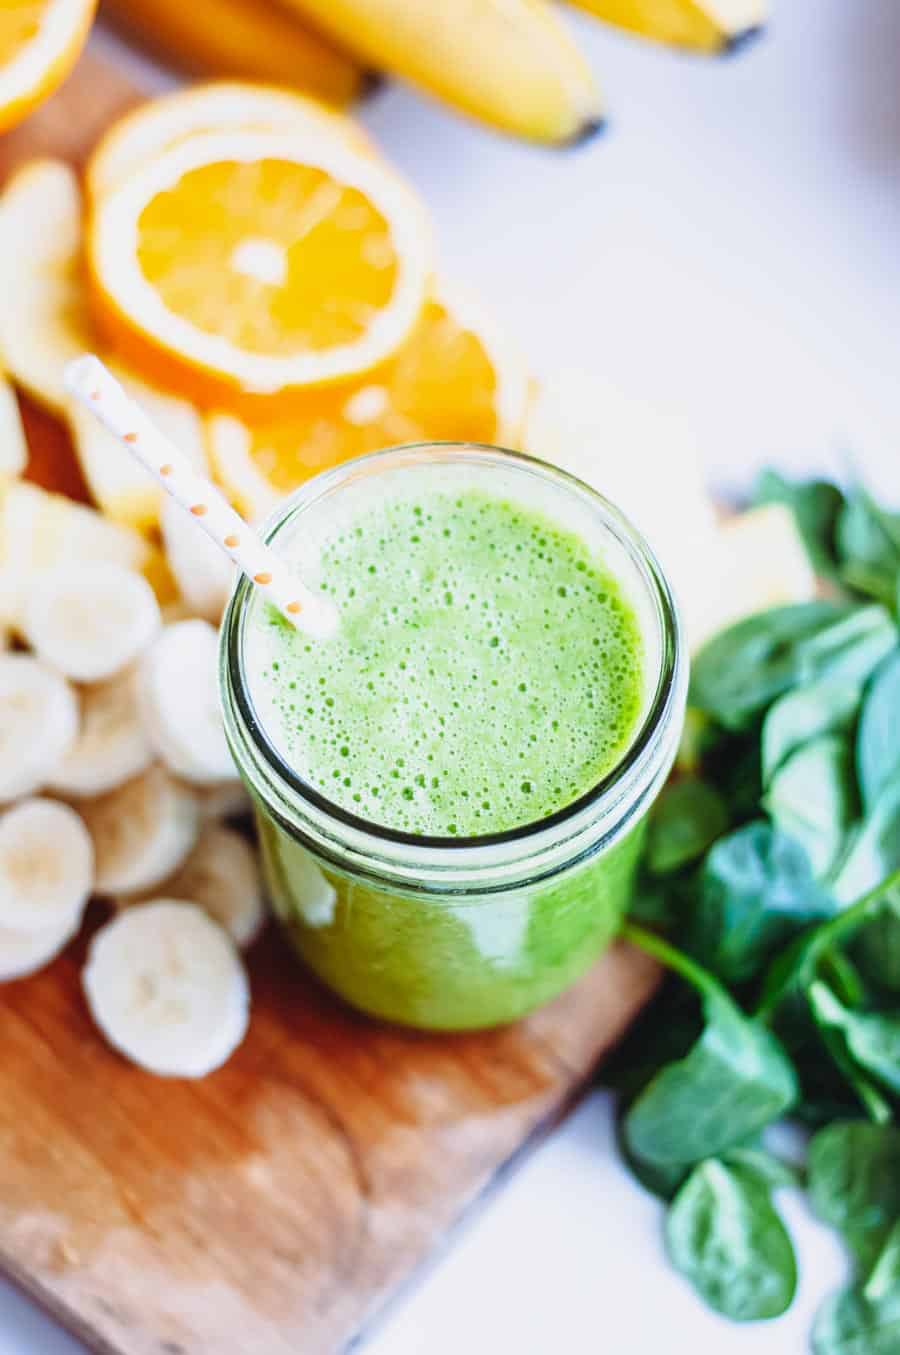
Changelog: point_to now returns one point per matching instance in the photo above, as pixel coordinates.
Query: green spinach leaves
(686, 819)
(849, 537)
(754, 891)
(725, 1236)
(771, 888)
(878, 741)
(742, 670)
(854, 1183)
(733, 1081)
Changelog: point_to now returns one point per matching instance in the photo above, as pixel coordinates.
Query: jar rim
(661, 706)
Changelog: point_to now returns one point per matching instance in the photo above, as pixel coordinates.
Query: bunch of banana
(509, 63)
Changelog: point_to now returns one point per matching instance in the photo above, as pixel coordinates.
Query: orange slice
(452, 380)
(240, 267)
(40, 41)
(216, 106)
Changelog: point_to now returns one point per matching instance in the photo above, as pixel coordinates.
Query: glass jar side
(452, 961)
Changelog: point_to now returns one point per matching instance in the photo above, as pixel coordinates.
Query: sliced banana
(24, 953)
(204, 574)
(112, 745)
(180, 704)
(46, 867)
(142, 831)
(122, 488)
(39, 530)
(228, 800)
(166, 986)
(91, 620)
(38, 724)
(222, 877)
(43, 319)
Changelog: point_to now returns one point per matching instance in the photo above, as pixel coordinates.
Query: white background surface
(730, 252)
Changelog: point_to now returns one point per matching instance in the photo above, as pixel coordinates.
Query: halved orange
(40, 41)
(214, 106)
(240, 268)
(454, 379)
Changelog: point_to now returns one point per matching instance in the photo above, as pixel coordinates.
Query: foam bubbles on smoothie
(487, 670)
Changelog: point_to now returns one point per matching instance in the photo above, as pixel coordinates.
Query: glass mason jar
(457, 933)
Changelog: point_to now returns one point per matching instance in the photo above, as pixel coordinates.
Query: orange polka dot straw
(96, 387)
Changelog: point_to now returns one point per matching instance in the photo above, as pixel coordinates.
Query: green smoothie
(486, 672)
(426, 777)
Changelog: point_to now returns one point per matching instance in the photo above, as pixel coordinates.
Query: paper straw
(100, 392)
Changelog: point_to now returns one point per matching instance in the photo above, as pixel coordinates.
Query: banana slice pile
(115, 780)
(115, 777)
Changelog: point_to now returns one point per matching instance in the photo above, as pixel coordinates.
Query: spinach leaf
(768, 1169)
(686, 818)
(755, 890)
(844, 978)
(733, 1081)
(742, 670)
(873, 1038)
(849, 1323)
(832, 1086)
(854, 1183)
(878, 739)
(875, 851)
(666, 1028)
(868, 544)
(864, 1319)
(816, 505)
(876, 946)
(863, 1088)
(812, 798)
(850, 649)
(884, 1277)
(725, 1236)
(795, 968)
(663, 1181)
(824, 707)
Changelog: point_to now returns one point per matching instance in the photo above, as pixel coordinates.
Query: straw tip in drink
(315, 616)
(82, 375)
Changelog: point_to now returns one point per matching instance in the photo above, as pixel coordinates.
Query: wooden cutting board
(272, 1208)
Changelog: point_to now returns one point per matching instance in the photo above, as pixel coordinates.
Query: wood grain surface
(272, 1208)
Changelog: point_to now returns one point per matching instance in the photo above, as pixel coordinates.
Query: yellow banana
(509, 63)
(249, 39)
(701, 25)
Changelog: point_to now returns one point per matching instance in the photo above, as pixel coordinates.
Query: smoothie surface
(487, 670)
